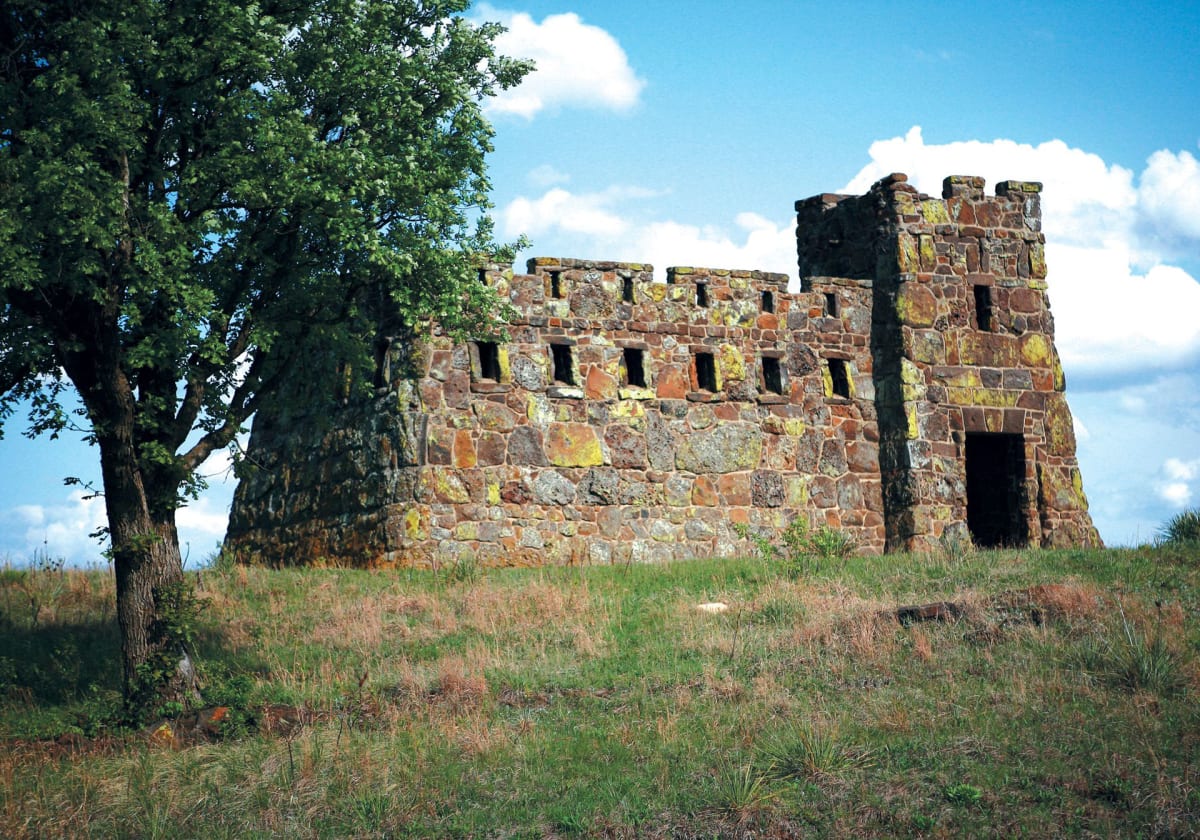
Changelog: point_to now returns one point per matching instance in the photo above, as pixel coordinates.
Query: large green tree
(195, 196)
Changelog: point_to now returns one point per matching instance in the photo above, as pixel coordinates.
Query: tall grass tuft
(804, 750)
(1135, 659)
(1182, 529)
(741, 789)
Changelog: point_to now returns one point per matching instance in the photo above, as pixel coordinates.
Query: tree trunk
(156, 665)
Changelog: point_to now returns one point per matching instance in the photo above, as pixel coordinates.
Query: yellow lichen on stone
(656, 292)
(538, 409)
(412, 525)
(631, 392)
(447, 486)
(906, 256)
(927, 252)
(573, 445)
(963, 378)
(732, 364)
(628, 406)
(912, 381)
(1037, 260)
(982, 396)
(916, 305)
(1077, 484)
(1060, 378)
(934, 212)
(493, 493)
(466, 531)
(795, 489)
(913, 430)
(1036, 350)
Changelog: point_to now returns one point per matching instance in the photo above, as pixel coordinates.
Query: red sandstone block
(734, 488)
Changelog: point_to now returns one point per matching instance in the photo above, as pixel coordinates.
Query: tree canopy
(195, 194)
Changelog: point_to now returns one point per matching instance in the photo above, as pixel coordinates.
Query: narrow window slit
(772, 375)
(627, 290)
(839, 378)
(489, 360)
(983, 308)
(563, 372)
(831, 305)
(706, 372)
(768, 302)
(702, 294)
(556, 287)
(635, 369)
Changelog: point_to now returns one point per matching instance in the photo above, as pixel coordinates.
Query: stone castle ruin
(911, 389)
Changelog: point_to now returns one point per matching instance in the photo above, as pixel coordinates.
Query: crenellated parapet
(909, 390)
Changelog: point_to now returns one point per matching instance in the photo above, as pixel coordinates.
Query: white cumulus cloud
(61, 530)
(1178, 475)
(1169, 197)
(577, 65)
(558, 209)
(762, 244)
(1118, 305)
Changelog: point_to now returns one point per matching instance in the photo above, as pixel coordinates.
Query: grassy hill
(1038, 694)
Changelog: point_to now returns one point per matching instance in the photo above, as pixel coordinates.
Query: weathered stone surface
(600, 385)
(766, 488)
(672, 383)
(552, 488)
(660, 443)
(573, 445)
(599, 487)
(725, 449)
(494, 417)
(527, 373)
(525, 446)
(916, 305)
(626, 446)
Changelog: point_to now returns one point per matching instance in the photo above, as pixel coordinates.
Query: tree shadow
(60, 662)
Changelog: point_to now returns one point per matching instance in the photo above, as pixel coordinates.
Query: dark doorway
(995, 490)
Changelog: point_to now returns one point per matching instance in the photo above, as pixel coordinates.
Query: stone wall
(624, 420)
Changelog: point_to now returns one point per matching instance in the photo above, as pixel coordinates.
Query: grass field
(1056, 696)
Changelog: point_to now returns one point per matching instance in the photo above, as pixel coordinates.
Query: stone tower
(910, 389)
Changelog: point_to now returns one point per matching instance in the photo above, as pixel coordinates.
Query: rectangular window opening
(489, 360)
(702, 294)
(831, 305)
(706, 372)
(635, 369)
(483, 276)
(627, 290)
(768, 302)
(563, 371)
(983, 308)
(839, 377)
(556, 285)
(772, 375)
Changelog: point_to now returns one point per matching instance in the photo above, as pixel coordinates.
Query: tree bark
(156, 667)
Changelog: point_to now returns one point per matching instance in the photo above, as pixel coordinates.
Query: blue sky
(681, 134)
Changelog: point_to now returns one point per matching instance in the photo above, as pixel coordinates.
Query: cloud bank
(1121, 307)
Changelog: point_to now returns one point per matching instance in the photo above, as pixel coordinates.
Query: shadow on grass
(58, 663)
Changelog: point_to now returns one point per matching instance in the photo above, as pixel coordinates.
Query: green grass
(600, 701)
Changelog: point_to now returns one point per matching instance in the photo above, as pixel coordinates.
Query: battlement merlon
(894, 231)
